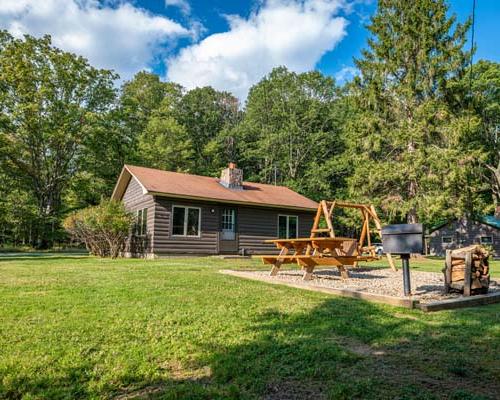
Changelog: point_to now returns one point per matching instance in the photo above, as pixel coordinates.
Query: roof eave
(122, 183)
(247, 203)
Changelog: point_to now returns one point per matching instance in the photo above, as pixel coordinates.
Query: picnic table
(313, 251)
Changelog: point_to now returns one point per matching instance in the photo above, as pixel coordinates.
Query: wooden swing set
(324, 248)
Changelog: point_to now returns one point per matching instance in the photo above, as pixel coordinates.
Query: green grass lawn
(80, 327)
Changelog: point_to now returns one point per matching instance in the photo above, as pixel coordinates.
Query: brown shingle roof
(177, 184)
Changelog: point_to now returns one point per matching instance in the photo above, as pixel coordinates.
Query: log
(457, 275)
(467, 270)
(476, 284)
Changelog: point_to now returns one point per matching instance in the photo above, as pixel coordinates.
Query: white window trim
(486, 236)
(287, 225)
(185, 221)
(140, 225)
(443, 242)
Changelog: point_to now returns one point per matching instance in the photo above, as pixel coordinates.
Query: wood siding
(253, 226)
(258, 224)
(463, 232)
(165, 243)
(134, 199)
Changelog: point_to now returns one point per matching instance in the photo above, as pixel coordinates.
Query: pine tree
(404, 141)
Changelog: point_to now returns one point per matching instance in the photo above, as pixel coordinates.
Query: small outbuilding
(178, 213)
(484, 230)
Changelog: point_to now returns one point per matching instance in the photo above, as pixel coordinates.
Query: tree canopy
(50, 101)
(405, 137)
(416, 133)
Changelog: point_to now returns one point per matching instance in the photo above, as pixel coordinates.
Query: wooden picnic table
(309, 252)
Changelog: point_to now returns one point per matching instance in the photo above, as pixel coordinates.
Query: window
(287, 226)
(447, 239)
(228, 224)
(486, 239)
(228, 219)
(141, 222)
(186, 221)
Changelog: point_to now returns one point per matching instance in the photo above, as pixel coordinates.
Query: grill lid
(400, 229)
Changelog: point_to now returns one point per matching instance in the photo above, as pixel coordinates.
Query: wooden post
(276, 267)
(316, 221)
(326, 213)
(344, 273)
(391, 262)
(378, 225)
(368, 238)
(468, 270)
(308, 274)
(363, 231)
(447, 272)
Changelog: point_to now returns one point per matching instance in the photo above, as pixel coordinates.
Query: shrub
(103, 228)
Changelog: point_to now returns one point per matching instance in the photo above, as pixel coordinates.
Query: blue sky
(228, 44)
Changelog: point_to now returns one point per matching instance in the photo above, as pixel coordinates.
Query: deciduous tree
(48, 100)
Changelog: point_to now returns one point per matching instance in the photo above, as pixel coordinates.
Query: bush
(103, 229)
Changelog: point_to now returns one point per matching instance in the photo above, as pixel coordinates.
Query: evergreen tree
(484, 144)
(404, 141)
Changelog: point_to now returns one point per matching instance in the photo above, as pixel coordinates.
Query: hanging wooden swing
(324, 248)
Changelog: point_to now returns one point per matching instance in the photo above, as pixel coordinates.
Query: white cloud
(182, 5)
(294, 33)
(121, 37)
(346, 74)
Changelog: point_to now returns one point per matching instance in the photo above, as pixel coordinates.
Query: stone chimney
(232, 177)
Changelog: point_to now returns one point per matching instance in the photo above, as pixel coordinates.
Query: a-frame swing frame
(368, 214)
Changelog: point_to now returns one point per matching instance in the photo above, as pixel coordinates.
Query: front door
(228, 242)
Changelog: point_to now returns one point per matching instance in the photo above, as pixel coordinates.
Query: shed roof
(490, 220)
(188, 186)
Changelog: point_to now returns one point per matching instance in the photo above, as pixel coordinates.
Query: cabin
(484, 230)
(178, 213)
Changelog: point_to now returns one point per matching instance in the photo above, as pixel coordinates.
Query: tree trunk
(412, 217)
(495, 186)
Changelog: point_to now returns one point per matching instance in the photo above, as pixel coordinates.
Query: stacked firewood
(467, 270)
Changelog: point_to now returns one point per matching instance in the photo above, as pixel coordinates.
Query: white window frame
(287, 226)
(140, 224)
(450, 237)
(486, 236)
(186, 208)
(233, 217)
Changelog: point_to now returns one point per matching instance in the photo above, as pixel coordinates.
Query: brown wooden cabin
(179, 213)
(454, 234)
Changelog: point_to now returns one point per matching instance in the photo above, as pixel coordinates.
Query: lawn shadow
(430, 288)
(41, 256)
(69, 385)
(353, 273)
(340, 349)
(351, 349)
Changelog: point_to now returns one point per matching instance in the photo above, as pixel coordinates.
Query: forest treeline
(416, 133)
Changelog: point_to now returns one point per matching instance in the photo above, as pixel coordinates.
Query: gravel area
(426, 286)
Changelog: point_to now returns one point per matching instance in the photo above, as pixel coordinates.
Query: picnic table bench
(310, 252)
(324, 248)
